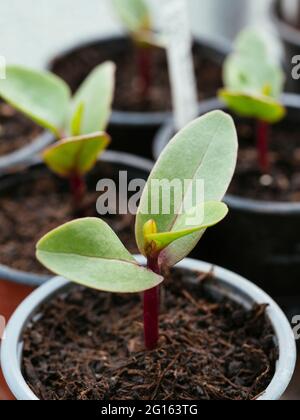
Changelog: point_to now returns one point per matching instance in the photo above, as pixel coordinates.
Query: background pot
(13, 161)
(225, 283)
(290, 37)
(137, 168)
(258, 239)
(133, 132)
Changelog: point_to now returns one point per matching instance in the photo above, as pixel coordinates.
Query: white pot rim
(242, 289)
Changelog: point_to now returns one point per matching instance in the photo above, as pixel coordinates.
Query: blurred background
(32, 30)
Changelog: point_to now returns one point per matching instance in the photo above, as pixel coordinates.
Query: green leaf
(205, 150)
(76, 121)
(251, 42)
(88, 252)
(41, 96)
(75, 155)
(248, 105)
(92, 103)
(213, 213)
(134, 15)
(244, 73)
(253, 80)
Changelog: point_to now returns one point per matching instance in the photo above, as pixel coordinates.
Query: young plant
(88, 252)
(78, 122)
(253, 85)
(135, 16)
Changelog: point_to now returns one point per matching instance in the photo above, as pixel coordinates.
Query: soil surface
(37, 202)
(87, 345)
(75, 66)
(16, 131)
(282, 184)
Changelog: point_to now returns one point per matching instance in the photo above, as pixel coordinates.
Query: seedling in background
(136, 17)
(78, 122)
(253, 85)
(88, 252)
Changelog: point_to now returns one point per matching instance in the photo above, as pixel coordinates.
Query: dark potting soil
(74, 67)
(283, 182)
(16, 131)
(87, 345)
(39, 202)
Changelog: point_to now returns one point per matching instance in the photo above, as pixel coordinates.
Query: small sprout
(78, 123)
(136, 17)
(88, 252)
(253, 85)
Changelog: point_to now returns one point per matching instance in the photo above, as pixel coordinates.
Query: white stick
(290, 10)
(179, 38)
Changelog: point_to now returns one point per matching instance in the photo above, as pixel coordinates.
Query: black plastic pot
(136, 167)
(258, 239)
(290, 37)
(133, 132)
(13, 161)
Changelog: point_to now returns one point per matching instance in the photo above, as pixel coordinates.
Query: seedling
(136, 17)
(88, 252)
(253, 85)
(78, 122)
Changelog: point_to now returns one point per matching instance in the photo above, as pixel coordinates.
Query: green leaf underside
(41, 96)
(92, 103)
(76, 155)
(256, 106)
(134, 14)
(88, 252)
(213, 213)
(204, 150)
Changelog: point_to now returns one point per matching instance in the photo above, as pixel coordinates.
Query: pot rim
(110, 156)
(287, 31)
(242, 288)
(291, 100)
(22, 156)
(129, 118)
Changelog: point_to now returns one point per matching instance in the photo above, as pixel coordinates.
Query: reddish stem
(144, 70)
(263, 132)
(151, 310)
(78, 189)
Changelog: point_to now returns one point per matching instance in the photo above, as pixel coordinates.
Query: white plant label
(2, 68)
(178, 36)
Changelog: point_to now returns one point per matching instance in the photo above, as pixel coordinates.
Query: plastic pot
(21, 157)
(258, 239)
(132, 132)
(136, 167)
(224, 284)
(290, 37)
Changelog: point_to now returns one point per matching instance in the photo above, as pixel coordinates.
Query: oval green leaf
(261, 107)
(89, 253)
(92, 103)
(76, 155)
(205, 150)
(41, 96)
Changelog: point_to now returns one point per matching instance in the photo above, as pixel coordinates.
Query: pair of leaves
(46, 99)
(134, 14)
(136, 17)
(253, 81)
(88, 252)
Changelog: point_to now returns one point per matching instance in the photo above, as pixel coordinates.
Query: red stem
(151, 310)
(78, 189)
(144, 70)
(263, 132)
